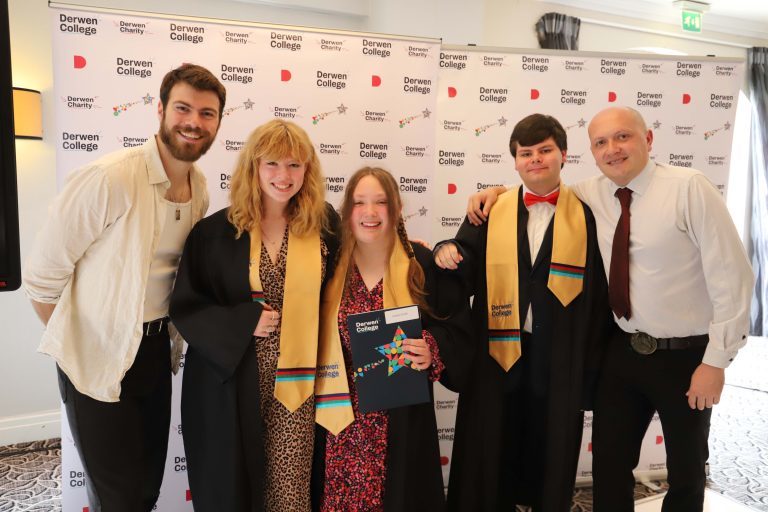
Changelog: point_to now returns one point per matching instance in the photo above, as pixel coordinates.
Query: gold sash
(566, 271)
(299, 320)
(334, 411)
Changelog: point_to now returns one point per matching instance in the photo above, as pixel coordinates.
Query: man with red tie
(680, 288)
(541, 318)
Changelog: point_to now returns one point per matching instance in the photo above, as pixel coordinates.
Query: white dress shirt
(539, 217)
(92, 260)
(688, 271)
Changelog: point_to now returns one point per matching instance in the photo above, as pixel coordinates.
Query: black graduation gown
(414, 480)
(211, 307)
(518, 434)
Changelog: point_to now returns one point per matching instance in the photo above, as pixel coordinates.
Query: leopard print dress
(288, 437)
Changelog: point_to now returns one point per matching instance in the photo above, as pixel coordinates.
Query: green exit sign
(691, 21)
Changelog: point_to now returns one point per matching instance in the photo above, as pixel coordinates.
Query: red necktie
(618, 280)
(531, 199)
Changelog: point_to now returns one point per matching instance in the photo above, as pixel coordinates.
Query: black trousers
(631, 388)
(123, 445)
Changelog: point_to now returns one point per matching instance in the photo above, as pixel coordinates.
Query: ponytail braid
(415, 272)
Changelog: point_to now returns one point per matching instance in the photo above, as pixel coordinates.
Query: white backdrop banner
(690, 105)
(438, 118)
(363, 100)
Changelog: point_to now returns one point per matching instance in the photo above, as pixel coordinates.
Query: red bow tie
(531, 199)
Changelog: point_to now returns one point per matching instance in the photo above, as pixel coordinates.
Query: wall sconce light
(27, 114)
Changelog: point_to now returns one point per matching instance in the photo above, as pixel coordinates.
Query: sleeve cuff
(718, 358)
(39, 296)
(437, 366)
(438, 245)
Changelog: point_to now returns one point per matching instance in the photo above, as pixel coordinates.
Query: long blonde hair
(394, 208)
(274, 140)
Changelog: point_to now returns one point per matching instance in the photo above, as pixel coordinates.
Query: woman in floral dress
(390, 460)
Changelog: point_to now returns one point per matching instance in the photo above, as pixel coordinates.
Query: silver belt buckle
(643, 343)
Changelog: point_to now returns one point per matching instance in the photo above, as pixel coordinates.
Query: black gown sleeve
(210, 303)
(600, 319)
(332, 238)
(450, 325)
(469, 241)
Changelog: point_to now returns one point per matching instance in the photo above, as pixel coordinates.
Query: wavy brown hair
(275, 140)
(394, 212)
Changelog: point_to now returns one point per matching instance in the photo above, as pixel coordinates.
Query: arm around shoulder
(480, 203)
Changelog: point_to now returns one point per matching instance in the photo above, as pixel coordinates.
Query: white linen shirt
(688, 271)
(92, 260)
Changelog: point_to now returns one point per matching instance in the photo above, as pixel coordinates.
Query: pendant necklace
(177, 201)
(266, 239)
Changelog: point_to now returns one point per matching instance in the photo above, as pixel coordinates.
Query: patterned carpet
(30, 477)
(30, 473)
(739, 434)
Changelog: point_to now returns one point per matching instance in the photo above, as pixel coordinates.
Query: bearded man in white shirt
(100, 278)
(680, 285)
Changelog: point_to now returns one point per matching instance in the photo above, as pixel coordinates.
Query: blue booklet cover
(382, 371)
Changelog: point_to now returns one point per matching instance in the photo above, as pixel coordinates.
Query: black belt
(154, 327)
(645, 344)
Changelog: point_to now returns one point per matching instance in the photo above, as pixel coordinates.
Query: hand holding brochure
(382, 371)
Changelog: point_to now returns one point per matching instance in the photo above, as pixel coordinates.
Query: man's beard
(181, 150)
